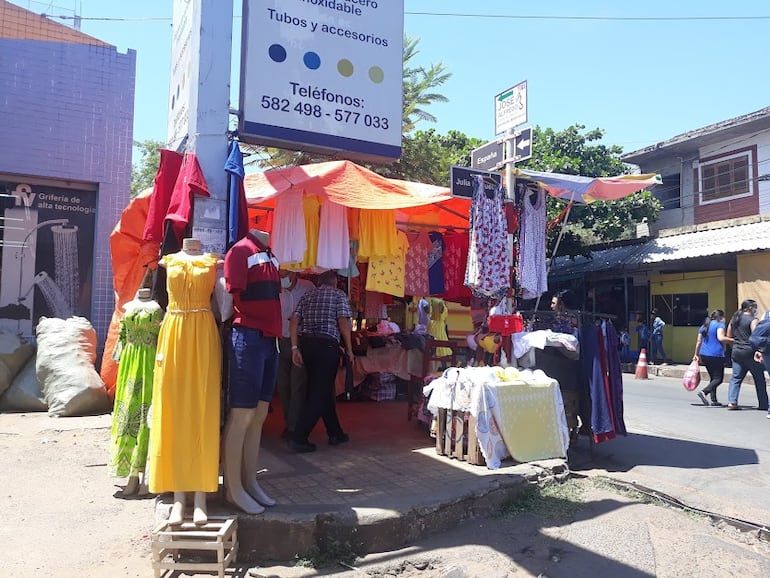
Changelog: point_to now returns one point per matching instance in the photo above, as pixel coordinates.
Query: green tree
(574, 151)
(419, 87)
(143, 171)
(427, 155)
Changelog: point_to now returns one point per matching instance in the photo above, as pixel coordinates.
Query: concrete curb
(282, 535)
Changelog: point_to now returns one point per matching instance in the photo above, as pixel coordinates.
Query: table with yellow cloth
(520, 413)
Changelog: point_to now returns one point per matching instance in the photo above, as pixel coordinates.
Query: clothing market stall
(393, 239)
(400, 248)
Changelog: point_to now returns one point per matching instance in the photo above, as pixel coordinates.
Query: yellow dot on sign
(376, 74)
(345, 67)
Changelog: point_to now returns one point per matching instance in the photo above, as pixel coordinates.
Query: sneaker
(703, 399)
(768, 416)
(302, 447)
(715, 403)
(340, 439)
(733, 406)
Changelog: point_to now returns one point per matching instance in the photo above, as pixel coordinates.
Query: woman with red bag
(709, 348)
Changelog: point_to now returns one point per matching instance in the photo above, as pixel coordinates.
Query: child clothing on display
(455, 258)
(184, 447)
(437, 325)
(436, 264)
(386, 274)
(378, 234)
(416, 280)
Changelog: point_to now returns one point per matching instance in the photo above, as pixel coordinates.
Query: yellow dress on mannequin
(184, 435)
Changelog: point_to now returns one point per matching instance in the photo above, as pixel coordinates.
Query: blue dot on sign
(312, 60)
(277, 53)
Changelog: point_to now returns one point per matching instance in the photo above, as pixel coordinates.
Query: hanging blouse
(386, 274)
(377, 233)
(436, 264)
(333, 240)
(487, 273)
(416, 274)
(455, 258)
(533, 270)
(287, 240)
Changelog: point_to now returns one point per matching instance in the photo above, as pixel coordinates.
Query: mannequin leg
(251, 456)
(131, 486)
(238, 422)
(177, 510)
(200, 513)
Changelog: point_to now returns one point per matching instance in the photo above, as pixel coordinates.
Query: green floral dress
(133, 394)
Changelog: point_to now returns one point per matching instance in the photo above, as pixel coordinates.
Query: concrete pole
(199, 104)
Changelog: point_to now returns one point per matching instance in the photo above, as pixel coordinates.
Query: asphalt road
(707, 457)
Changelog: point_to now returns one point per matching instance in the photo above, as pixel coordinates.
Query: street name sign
(487, 156)
(511, 108)
(462, 181)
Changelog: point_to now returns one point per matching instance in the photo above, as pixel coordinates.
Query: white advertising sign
(323, 75)
(511, 108)
(181, 70)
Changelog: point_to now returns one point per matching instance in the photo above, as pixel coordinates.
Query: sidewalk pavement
(676, 371)
(382, 490)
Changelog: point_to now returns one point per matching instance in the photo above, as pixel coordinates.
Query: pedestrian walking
(292, 379)
(710, 350)
(643, 335)
(760, 342)
(320, 321)
(742, 324)
(657, 338)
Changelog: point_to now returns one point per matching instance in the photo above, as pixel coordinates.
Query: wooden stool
(170, 543)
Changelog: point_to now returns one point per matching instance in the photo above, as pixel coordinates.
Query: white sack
(14, 353)
(66, 353)
(25, 393)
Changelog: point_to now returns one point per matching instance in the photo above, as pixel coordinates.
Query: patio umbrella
(237, 210)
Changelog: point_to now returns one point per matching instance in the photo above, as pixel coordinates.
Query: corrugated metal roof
(735, 239)
(739, 238)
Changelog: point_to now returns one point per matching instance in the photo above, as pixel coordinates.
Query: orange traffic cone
(641, 366)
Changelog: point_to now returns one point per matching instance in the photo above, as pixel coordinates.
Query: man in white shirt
(292, 379)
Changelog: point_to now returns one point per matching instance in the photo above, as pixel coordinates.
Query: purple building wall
(66, 114)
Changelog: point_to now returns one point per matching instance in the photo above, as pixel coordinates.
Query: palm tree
(418, 82)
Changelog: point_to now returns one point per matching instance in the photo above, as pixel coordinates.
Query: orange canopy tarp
(351, 185)
(131, 255)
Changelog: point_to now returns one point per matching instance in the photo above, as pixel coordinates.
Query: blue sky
(642, 81)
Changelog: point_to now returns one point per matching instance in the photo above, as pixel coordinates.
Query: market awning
(590, 189)
(684, 246)
(351, 185)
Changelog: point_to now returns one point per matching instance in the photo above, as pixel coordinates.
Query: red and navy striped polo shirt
(251, 274)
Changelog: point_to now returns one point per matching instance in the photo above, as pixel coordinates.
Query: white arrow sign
(523, 144)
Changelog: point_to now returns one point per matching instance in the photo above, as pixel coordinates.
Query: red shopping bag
(691, 377)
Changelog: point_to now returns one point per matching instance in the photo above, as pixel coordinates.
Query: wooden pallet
(456, 437)
(175, 547)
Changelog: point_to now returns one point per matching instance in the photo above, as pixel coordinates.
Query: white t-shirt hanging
(288, 241)
(333, 237)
